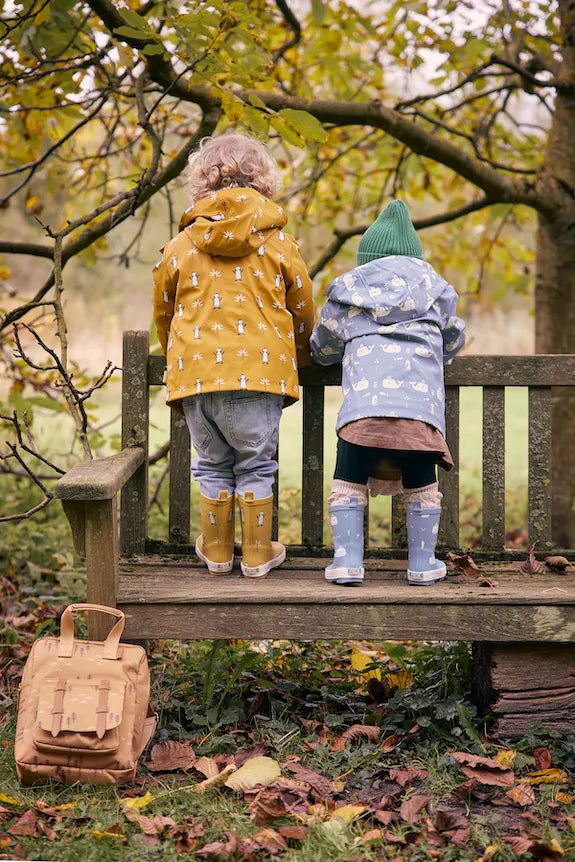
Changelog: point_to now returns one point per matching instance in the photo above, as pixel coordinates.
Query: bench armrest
(100, 479)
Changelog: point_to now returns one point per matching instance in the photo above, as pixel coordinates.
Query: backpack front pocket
(82, 716)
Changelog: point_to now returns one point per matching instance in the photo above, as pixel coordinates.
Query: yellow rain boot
(259, 553)
(216, 544)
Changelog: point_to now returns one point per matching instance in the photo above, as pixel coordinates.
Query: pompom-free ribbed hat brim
(391, 233)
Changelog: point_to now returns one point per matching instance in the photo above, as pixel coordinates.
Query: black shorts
(357, 463)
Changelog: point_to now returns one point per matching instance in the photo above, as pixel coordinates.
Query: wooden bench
(522, 629)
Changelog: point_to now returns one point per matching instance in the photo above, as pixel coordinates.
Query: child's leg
(252, 428)
(346, 507)
(422, 499)
(213, 468)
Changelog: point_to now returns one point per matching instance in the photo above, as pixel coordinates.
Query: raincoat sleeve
(453, 327)
(164, 297)
(299, 302)
(327, 346)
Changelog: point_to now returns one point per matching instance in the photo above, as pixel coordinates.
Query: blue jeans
(235, 435)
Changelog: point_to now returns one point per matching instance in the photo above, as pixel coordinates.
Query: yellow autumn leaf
(5, 272)
(548, 776)
(137, 802)
(506, 757)
(347, 812)
(65, 806)
(9, 800)
(488, 853)
(99, 835)
(32, 201)
(565, 798)
(399, 679)
(256, 770)
(360, 660)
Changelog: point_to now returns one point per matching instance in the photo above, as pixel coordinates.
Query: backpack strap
(58, 707)
(112, 642)
(102, 707)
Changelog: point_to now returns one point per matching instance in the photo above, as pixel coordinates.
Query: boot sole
(426, 579)
(345, 577)
(215, 568)
(262, 570)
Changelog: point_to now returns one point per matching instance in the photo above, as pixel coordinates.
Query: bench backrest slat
(449, 481)
(493, 507)
(312, 466)
(180, 480)
(539, 479)
(135, 425)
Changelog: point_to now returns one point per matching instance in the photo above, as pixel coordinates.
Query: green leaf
(286, 131)
(256, 101)
(153, 49)
(305, 124)
(318, 11)
(134, 20)
(131, 33)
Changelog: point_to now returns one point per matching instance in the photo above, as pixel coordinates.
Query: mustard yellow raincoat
(233, 301)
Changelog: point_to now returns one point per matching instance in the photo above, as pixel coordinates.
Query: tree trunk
(555, 282)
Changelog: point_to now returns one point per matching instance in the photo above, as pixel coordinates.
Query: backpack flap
(80, 715)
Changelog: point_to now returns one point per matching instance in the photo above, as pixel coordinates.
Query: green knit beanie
(391, 233)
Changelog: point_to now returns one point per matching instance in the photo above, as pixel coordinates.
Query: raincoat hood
(390, 289)
(232, 222)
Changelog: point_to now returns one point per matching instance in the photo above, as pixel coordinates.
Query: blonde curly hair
(230, 161)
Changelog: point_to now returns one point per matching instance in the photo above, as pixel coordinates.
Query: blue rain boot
(347, 528)
(422, 528)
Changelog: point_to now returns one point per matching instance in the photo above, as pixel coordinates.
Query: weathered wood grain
(539, 476)
(493, 516)
(540, 370)
(180, 480)
(135, 422)
(525, 685)
(100, 479)
(398, 523)
(449, 481)
(74, 512)
(101, 562)
(312, 466)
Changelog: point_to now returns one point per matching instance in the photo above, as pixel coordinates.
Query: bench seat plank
(100, 479)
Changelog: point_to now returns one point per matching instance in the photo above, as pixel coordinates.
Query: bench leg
(101, 530)
(523, 686)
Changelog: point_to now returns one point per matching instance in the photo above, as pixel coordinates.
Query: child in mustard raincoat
(234, 312)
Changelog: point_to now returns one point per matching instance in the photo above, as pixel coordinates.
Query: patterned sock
(429, 496)
(341, 491)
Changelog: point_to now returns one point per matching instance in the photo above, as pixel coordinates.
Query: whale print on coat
(392, 324)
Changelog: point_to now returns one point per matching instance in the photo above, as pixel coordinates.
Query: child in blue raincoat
(391, 322)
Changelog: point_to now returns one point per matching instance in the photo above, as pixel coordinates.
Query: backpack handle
(111, 643)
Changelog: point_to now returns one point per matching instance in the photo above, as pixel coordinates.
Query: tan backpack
(84, 712)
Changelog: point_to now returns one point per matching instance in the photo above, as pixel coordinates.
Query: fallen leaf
(208, 766)
(548, 776)
(484, 769)
(378, 690)
(369, 837)
(531, 564)
(27, 824)
(216, 780)
(149, 825)
(279, 799)
(506, 757)
(408, 775)
(170, 755)
(464, 563)
(360, 661)
(137, 802)
(347, 813)
(257, 770)
(319, 783)
(410, 808)
(452, 825)
(9, 800)
(293, 833)
(556, 564)
(399, 679)
(566, 799)
(367, 731)
(270, 840)
(245, 754)
(384, 816)
(522, 794)
(542, 758)
(488, 853)
(114, 831)
(5, 840)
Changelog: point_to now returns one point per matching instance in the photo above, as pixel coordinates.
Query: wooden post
(180, 458)
(539, 483)
(493, 521)
(312, 466)
(101, 533)
(135, 414)
(525, 685)
(449, 482)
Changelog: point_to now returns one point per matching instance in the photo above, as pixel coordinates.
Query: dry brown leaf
(270, 840)
(245, 754)
(452, 825)
(170, 755)
(293, 833)
(319, 783)
(279, 799)
(464, 563)
(521, 794)
(208, 766)
(149, 825)
(408, 775)
(542, 757)
(410, 808)
(367, 731)
(27, 824)
(484, 769)
(531, 564)
(556, 564)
